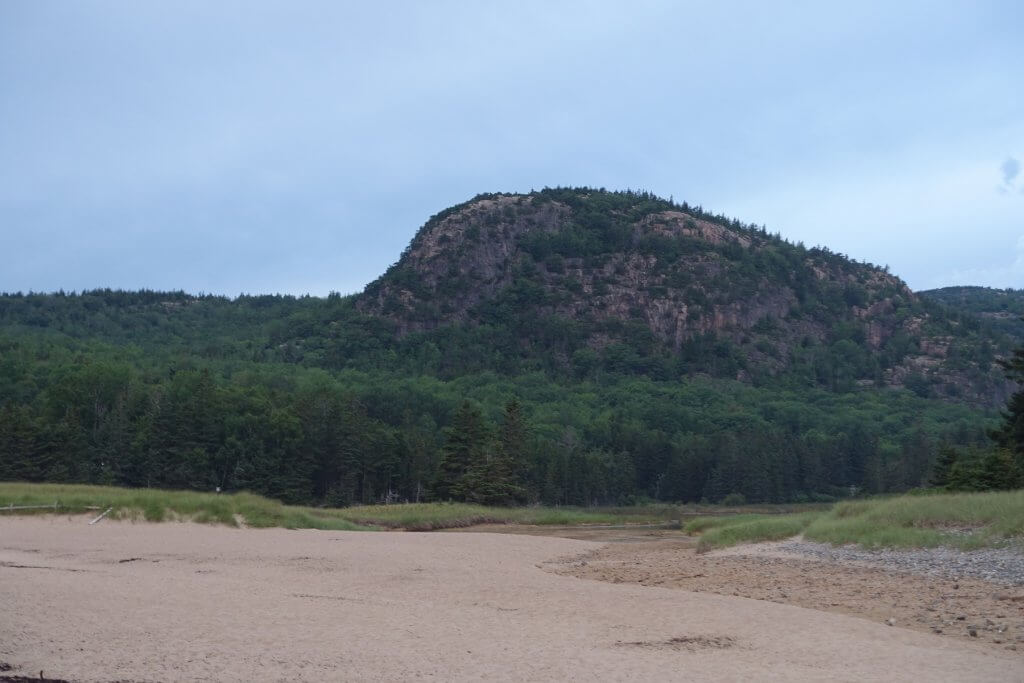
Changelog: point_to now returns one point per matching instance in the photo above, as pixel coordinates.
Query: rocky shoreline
(997, 565)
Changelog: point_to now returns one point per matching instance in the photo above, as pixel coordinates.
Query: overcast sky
(297, 146)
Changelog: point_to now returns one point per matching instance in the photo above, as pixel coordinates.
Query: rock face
(610, 264)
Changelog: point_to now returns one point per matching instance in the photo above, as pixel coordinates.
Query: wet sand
(177, 601)
(968, 609)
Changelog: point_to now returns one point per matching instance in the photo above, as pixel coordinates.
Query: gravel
(999, 565)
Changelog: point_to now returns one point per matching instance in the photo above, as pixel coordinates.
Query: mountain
(607, 347)
(1002, 309)
(625, 280)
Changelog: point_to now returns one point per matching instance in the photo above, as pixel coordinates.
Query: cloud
(249, 146)
(1010, 169)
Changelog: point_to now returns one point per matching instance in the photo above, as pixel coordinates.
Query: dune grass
(428, 516)
(959, 520)
(963, 520)
(700, 525)
(156, 505)
(720, 532)
(232, 509)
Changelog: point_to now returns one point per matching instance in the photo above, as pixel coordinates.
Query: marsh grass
(751, 529)
(701, 525)
(430, 516)
(963, 520)
(156, 505)
(959, 520)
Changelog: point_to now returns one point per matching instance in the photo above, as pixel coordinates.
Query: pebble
(999, 565)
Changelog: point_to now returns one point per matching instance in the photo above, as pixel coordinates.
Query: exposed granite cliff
(610, 262)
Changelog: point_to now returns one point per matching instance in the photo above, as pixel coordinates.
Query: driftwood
(105, 513)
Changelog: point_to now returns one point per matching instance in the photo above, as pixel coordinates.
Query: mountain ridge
(608, 264)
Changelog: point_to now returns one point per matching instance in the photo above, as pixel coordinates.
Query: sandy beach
(179, 601)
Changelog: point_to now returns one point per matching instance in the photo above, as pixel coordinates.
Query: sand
(178, 601)
(963, 608)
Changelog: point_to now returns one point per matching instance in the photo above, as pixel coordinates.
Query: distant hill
(1002, 309)
(589, 278)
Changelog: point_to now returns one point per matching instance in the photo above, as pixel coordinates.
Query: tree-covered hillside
(1001, 309)
(579, 281)
(107, 414)
(787, 374)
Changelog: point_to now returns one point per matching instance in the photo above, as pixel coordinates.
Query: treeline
(1002, 309)
(113, 415)
(1000, 464)
(516, 334)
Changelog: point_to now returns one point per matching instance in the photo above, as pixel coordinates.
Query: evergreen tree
(21, 455)
(999, 471)
(463, 452)
(943, 466)
(509, 473)
(1008, 468)
(1011, 433)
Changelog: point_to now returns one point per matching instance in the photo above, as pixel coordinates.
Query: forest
(182, 408)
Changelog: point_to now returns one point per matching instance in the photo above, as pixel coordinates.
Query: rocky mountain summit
(596, 278)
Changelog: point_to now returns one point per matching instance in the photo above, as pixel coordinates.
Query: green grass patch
(753, 528)
(157, 505)
(700, 525)
(958, 520)
(429, 516)
(962, 520)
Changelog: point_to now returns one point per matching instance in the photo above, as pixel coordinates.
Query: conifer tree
(463, 451)
(498, 478)
(20, 454)
(1011, 433)
(943, 466)
(512, 450)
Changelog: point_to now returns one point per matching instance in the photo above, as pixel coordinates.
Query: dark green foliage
(505, 475)
(459, 475)
(476, 469)
(1011, 433)
(85, 411)
(23, 455)
(977, 469)
(943, 466)
(989, 469)
(1001, 309)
